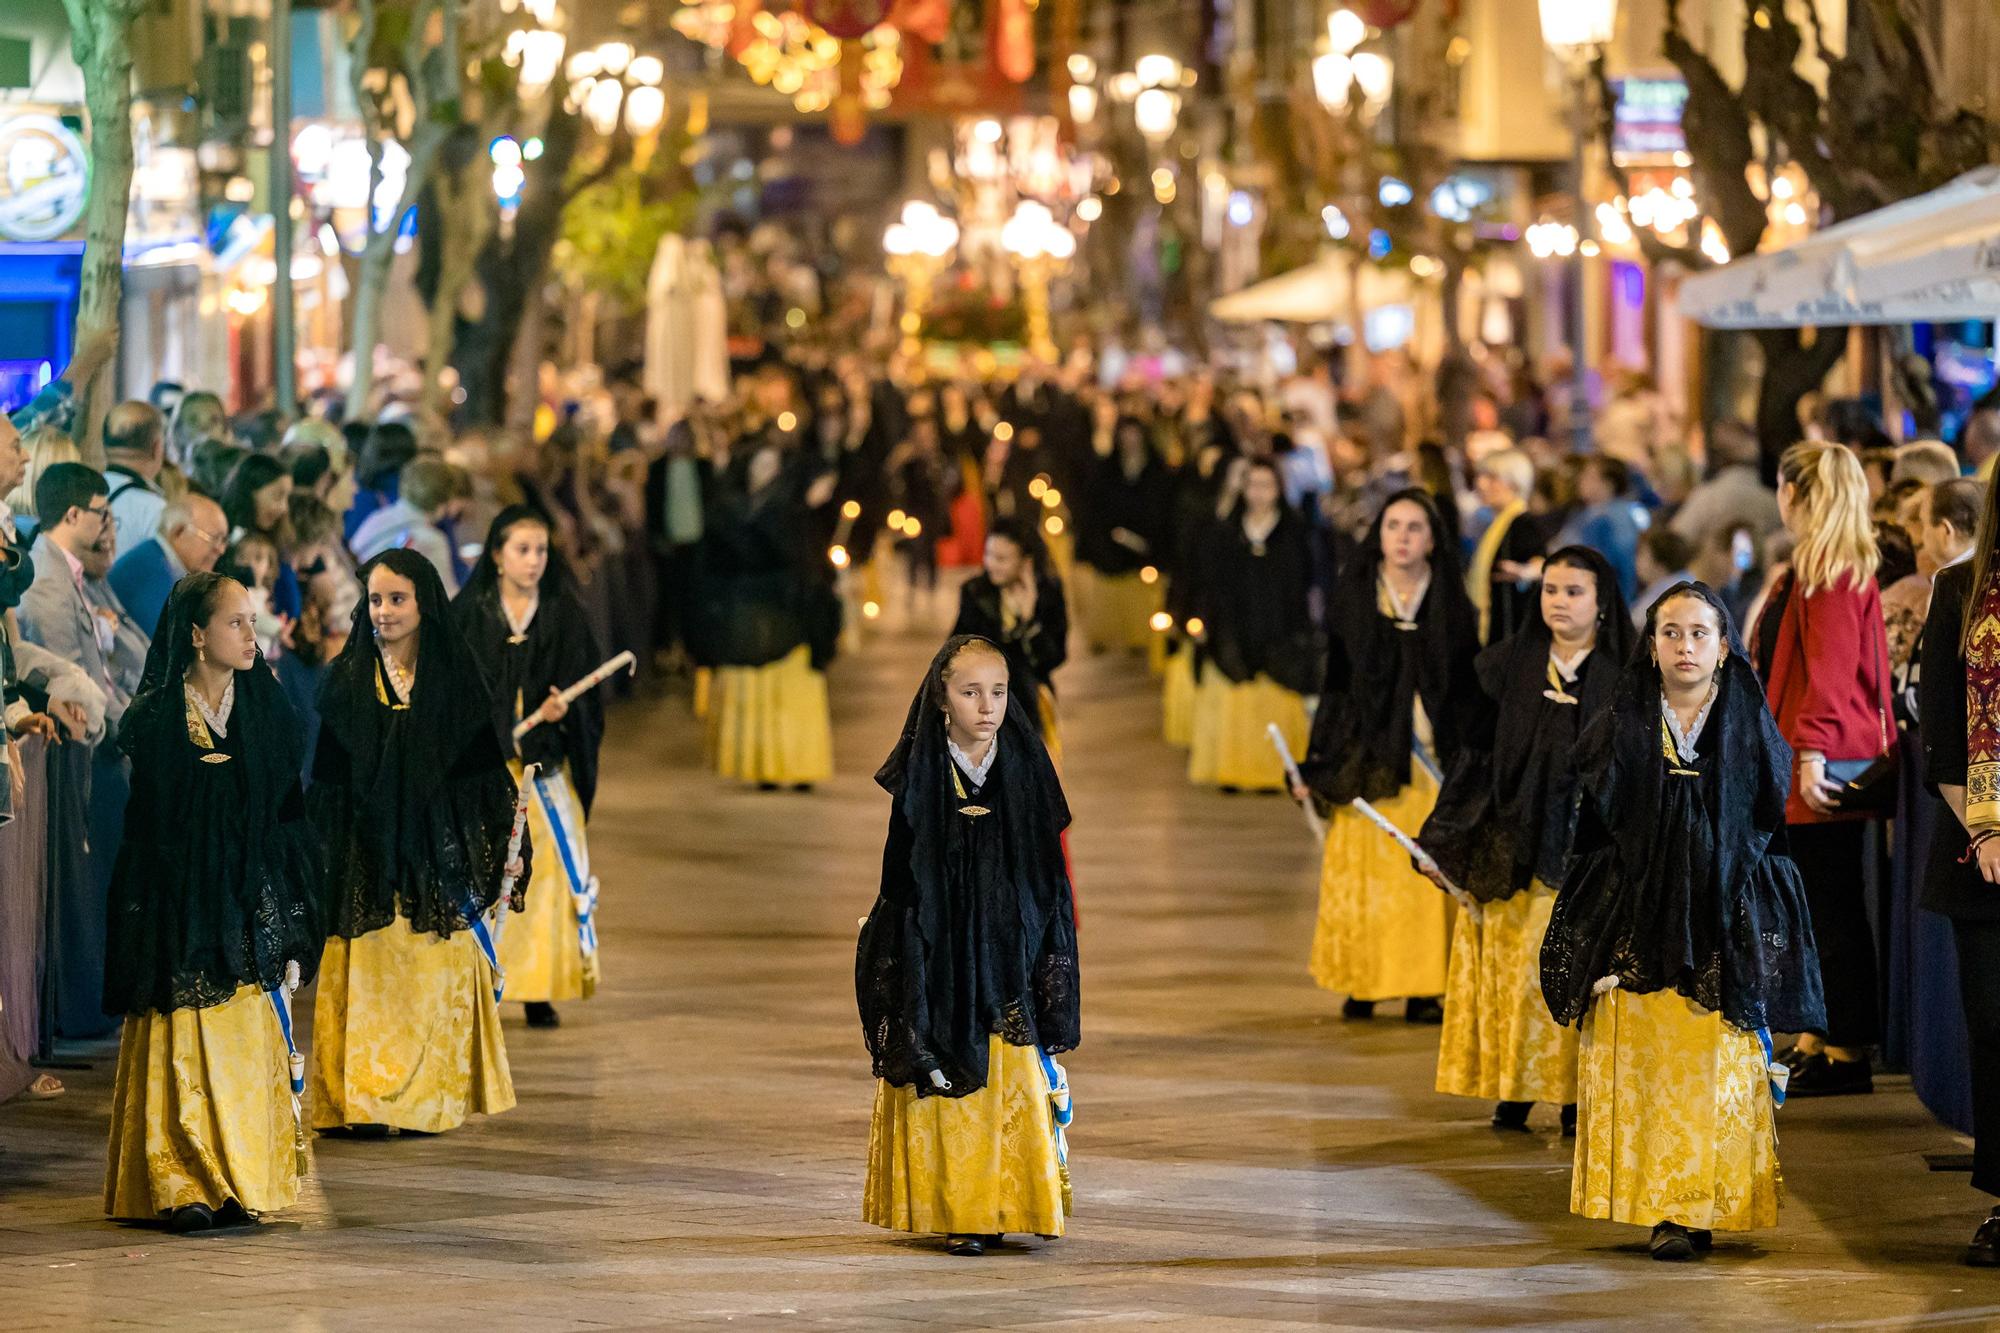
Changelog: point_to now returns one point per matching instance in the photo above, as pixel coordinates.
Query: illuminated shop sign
(44, 178)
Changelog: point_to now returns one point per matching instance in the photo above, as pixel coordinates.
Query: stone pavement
(689, 1147)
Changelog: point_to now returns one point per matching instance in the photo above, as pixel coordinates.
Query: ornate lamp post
(1576, 33)
(1040, 246)
(919, 246)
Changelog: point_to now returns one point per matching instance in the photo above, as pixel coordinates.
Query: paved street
(688, 1150)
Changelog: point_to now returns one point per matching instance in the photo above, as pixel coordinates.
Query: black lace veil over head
(1683, 883)
(1508, 808)
(414, 800)
(559, 649)
(1363, 728)
(974, 932)
(218, 882)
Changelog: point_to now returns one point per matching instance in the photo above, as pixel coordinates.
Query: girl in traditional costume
(411, 795)
(524, 621)
(1501, 832)
(1017, 601)
(1681, 940)
(967, 969)
(772, 624)
(1125, 515)
(215, 915)
(1256, 654)
(1395, 712)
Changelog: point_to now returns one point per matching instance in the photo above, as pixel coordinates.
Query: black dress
(555, 650)
(1507, 812)
(1034, 647)
(412, 798)
(1378, 667)
(1254, 599)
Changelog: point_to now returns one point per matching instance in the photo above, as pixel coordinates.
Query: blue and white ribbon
(281, 1001)
(280, 997)
(582, 887)
(1779, 1074)
(1062, 1109)
(1421, 753)
(483, 933)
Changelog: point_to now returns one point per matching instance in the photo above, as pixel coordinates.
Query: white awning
(1932, 258)
(1319, 292)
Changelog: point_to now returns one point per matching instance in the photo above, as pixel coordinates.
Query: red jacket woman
(1827, 678)
(1824, 655)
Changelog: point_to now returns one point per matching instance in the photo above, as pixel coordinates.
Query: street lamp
(918, 246)
(1576, 33)
(612, 82)
(1041, 246)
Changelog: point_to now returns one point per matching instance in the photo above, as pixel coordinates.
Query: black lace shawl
(974, 931)
(219, 879)
(415, 804)
(1508, 808)
(558, 650)
(1036, 648)
(1142, 505)
(763, 590)
(1255, 603)
(1375, 672)
(1682, 883)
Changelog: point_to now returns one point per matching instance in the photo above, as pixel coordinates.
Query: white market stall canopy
(1932, 258)
(1319, 292)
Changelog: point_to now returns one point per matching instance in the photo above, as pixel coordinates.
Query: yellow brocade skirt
(540, 951)
(1499, 1042)
(1674, 1121)
(201, 1112)
(406, 1033)
(1177, 698)
(983, 1164)
(771, 724)
(1228, 742)
(1051, 724)
(1384, 931)
(1118, 610)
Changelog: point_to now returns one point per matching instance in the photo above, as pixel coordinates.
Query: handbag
(1867, 786)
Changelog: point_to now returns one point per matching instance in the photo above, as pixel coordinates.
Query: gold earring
(201, 654)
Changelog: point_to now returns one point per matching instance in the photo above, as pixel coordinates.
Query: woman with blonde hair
(1823, 653)
(45, 446)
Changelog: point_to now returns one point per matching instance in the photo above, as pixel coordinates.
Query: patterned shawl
(1982, 711)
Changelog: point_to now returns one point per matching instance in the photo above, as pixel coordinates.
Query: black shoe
(543, 1015)
(1425, 1009)
(767, 786)
(966, 1247)
(1794, 1058)
(1569, 1120)
(1512, 1115)
(1672, 1243)
(355, 1132)
(1703, 1241)
(1984, 1252)
(234, 1214)
(1358, 1009)
(190, 1218)
(1823, 1076)
(802, 788)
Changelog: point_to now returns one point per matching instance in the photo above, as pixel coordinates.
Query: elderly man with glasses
(192, 536)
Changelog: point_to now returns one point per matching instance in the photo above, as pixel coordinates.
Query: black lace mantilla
(974, 932)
